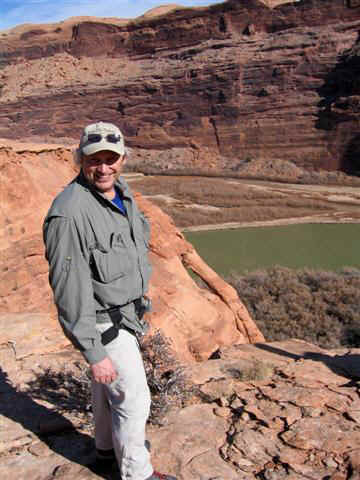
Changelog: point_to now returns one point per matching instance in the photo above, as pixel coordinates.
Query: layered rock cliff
(198, 89)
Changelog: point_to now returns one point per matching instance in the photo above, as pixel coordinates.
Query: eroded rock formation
(197, 320)
(29, 181)
(200, 89)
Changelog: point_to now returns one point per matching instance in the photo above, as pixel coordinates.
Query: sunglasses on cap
(97, 137)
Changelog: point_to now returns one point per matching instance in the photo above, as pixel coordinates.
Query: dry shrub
(71, 392)
(316, 306)
(166, 379)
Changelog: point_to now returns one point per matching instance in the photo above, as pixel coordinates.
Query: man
(97, 247)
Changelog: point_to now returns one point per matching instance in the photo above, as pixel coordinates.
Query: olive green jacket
(98, 259)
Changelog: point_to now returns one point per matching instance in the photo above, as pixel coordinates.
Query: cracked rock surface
(273, 411)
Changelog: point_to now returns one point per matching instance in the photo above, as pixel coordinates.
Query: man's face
(101, 169)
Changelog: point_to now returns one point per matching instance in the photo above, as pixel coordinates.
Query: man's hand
(104, 371)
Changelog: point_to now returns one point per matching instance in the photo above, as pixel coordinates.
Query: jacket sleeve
(70, 280)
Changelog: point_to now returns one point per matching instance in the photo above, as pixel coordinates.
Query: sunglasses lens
(94, 137)
(97, 137)
(112, 138)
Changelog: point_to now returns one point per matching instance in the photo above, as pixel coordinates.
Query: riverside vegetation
(318, 306)
(194, 201)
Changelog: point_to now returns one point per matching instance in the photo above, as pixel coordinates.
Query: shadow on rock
(347, 365)
(26, 416)
(351, 157)
(340, 104)
(340, 83)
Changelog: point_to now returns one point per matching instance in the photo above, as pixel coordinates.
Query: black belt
(112, 309)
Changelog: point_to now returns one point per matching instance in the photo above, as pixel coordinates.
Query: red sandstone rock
(198, 321)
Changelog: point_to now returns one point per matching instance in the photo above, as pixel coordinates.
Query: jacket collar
(120, 183)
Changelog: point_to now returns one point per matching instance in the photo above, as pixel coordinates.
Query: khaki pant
(121, 409)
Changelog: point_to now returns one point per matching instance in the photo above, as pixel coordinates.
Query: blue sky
(16, 12)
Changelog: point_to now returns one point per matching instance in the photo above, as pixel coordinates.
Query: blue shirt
(118, 201)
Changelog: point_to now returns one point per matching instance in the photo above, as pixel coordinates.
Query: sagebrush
(316, 306)
(166, 378)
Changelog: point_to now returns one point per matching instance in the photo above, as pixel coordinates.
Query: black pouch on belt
(111, 333)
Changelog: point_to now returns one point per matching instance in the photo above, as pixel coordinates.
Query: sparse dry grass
(257, 371)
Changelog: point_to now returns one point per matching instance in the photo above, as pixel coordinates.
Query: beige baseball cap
(101, 136)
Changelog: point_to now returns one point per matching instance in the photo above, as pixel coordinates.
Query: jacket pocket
(113, 264)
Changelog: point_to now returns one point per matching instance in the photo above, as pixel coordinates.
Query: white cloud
(15, 12)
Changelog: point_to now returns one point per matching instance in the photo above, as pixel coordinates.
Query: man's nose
(102, 167)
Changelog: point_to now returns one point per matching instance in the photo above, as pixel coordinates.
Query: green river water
(316, 246)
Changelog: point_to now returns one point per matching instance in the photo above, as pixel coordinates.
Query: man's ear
(124, 159)
(77, 157)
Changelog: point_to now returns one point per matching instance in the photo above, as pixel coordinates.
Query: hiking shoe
(160, 476)
(105, 455)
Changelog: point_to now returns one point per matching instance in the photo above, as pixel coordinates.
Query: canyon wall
(203, 89)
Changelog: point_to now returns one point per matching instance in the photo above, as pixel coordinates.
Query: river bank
(311, 219)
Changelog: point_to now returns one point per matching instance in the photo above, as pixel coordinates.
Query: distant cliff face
(201, 89)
